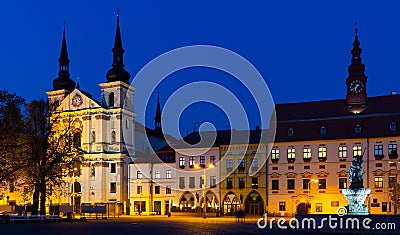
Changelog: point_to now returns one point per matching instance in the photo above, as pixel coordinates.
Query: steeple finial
(63, 81)
(118, 73)
(356, 67)
(157, 118)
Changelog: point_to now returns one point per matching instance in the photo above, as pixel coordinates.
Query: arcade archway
(230, 204)
(254, 204)
(187, 201)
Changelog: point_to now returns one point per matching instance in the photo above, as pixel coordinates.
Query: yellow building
(243, 176)
(316, 142)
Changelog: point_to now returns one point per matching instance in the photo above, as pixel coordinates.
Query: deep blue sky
(302, 48)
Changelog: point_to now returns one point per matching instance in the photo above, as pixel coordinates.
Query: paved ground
(142, 225)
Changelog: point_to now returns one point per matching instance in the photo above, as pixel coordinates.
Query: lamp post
(395, 189)
(204, 188)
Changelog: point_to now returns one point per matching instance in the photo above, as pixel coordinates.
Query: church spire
(356, 67)
(157, 118)
(118, 73)
(63, 81)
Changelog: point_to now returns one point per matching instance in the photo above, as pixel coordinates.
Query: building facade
(316, 142)
(243, 176)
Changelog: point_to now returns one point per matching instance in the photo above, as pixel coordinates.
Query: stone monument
(356, 193)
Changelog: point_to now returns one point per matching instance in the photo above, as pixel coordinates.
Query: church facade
(104, 130)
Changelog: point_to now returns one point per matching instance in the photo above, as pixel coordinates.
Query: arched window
(111, 99)
(322, 131)
(93, 136)
(77, 138)
(113, 138)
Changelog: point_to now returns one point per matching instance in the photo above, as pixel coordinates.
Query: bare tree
(51, 151)
(11, 135)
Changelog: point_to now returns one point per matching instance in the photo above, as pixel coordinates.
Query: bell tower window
(111, 99)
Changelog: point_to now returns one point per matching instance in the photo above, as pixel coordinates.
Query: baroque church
(104, 130)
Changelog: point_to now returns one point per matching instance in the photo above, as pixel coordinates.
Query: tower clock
(356, 82)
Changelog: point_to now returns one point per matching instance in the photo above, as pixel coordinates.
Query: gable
(77, 100)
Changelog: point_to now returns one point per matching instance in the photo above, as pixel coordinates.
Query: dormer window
(357, 128)
(290, 132)
(322, 130)
(393, 126)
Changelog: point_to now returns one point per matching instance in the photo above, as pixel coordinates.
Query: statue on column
(356, 173)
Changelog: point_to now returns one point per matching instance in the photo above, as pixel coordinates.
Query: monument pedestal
(356, 197)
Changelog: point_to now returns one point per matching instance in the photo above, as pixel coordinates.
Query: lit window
(357, 150)
(378, 182)
(322, 131)
(168, 174)
(321, 152)
(139, 175)
(291, 154)
(342, 152)
(275, 154)
(357, 128)
(290, 132)
(306, 153)
(182, 162)
(157, 175)
(191, 161)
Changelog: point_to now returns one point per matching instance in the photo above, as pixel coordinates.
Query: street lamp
(204, 188)
(395, 189)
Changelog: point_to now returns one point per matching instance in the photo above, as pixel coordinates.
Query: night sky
(301, 48)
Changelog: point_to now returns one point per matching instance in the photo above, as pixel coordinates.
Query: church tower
(157, 118)
(62, 85)
(356, 82)
(117, 90)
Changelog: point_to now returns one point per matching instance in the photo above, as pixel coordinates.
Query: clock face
(77, 100)
(356, 86)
